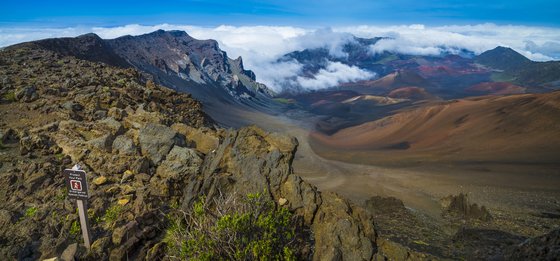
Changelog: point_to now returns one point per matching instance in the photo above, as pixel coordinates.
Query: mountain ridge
(174, 59)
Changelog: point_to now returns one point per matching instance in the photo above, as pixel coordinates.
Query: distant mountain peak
(90, 36)
(502, 58)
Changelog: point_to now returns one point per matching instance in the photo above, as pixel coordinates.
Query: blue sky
(286, 12)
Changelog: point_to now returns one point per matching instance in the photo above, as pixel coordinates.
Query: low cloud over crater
(262, 46)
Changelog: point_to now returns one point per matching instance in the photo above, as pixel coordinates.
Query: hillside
(517, 129)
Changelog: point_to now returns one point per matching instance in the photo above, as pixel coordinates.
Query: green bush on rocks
(250, 228)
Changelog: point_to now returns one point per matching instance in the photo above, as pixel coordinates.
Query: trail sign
(76, 183)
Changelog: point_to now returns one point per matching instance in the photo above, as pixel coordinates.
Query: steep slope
(517, 129)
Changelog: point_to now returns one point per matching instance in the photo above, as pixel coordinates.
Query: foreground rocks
(119, 130)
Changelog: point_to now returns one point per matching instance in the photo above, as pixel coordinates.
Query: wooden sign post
(76, 183)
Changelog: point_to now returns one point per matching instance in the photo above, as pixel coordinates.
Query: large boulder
(171, 174)
(27, 94)
(111, 126)
(102, 143)
(205, 140)
(180, 162)
(156, 141)
(124, 145)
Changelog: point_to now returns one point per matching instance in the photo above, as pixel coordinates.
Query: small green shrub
(62, 195)
(10, 96)
(174, 205)
(111, 215)
(59, 156)
(30, 212)
(121, 82)
(75, 228)
(248, 229)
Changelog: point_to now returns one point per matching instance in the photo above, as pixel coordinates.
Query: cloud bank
(261, 46)
(334, 74)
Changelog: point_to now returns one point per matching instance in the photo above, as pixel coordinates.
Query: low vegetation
(111, 215)
(75, 228)
(30, 212)
(10, 96)
(250, 228)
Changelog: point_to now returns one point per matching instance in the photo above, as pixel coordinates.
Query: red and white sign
(76, 183)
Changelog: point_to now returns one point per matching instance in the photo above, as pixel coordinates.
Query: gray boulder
(179, 164)
(124, 145)
(112, 125)
(27, 94)
(156, 141)
(102, 143)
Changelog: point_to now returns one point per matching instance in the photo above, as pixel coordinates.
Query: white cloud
(420, 39)
(261, 46)
(334, 74)
(279, 75)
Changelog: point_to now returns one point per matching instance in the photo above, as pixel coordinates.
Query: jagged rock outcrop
(251, 160)
(460, 206)
(200, 61)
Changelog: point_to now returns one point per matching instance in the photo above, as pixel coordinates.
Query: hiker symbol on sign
(76, 185)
